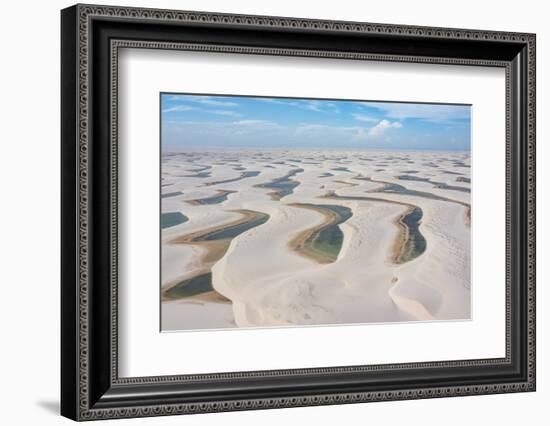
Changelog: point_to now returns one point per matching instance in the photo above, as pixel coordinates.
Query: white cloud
(360, 135)
(254, 123)
(305, 128)
(177, 108)
(356, 133)
(257, 131)
(376, 132)
(426, 112)
(201, 101)
(382, 127)
(319, 106)
(363, 117)
(214, 102)
(222, 112)
(323, 131)
(312, 105)
(279, 101)
(206, 100)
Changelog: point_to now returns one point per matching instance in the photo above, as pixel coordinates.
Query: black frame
(91, 37)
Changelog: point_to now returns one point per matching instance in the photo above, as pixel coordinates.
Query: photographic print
(282, 212)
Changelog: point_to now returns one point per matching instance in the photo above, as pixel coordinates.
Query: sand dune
(381, 264)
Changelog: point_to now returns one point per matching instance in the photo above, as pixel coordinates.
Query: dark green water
(199, 172)
(200, 175)
(213, 199)
(243, 175)
(394, 188)
(170, 219)
(191, 287)
(452, 187)
(327, 241)
(413, 178)
(461, 164)
(200, 169)
(441, 185)
(231, 232)
(203, 283)
(283, 186)
(416, 243)
(171, 194)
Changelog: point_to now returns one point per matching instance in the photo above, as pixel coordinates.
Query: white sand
(271, 285)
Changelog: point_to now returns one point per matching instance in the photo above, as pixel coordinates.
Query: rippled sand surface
(291, 238)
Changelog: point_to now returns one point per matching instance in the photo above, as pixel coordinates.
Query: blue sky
(252, 122)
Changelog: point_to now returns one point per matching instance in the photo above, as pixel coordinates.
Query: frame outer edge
(265, 21)
(531, 201)
(82, 136)
(69, 221)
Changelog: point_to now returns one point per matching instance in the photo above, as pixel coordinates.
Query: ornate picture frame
(91, 38)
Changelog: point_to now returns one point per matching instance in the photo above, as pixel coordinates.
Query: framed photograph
(263, 212)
